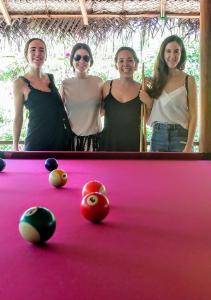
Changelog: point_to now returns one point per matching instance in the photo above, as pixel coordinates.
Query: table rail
(104, 155)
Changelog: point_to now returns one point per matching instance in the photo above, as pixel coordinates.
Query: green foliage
(13, 70)
(193, 63)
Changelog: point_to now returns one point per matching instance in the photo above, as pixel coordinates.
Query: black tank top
(121, 124)
(48, 126)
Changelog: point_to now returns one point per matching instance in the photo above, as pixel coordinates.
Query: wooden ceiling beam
(5, 13)
(83, 11)
(103, 16)
(162, 8)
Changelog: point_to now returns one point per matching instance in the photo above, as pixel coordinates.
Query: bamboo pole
(162, 8)
(84, 12)
(143, 116)
(5, 13)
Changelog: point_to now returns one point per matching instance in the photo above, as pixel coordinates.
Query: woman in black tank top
(122, 106)
(48, 126)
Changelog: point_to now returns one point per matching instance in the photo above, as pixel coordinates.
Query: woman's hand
(17, 147)
(187, 149)
(146, 99)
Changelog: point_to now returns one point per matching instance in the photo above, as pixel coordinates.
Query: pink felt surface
(154, 244)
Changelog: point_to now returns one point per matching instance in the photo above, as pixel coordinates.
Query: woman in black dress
(122, 106)
(48, 126)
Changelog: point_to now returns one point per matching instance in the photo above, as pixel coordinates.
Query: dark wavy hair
(29, 42)
(161, 70)
(81, 46)
(126, 49)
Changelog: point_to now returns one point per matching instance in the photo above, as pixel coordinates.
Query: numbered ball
(58, 178)
(37, 224)
(51, 164)
(93, 186)
(2, 164)
(95, 207)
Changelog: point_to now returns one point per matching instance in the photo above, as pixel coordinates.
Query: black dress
(121, 124)
(48, 127)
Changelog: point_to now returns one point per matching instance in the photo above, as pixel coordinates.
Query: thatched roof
(63, 18)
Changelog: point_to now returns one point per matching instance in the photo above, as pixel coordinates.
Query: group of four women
(71, 119)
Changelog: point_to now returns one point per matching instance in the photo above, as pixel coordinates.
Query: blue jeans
(168, 138)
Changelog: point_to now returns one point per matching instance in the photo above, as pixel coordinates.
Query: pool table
(154, 244)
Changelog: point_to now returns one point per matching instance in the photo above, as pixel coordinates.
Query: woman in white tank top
(82, 96)
(174, 113)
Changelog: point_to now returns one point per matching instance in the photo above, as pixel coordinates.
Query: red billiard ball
(93, 186)
(51, 164)
(94, 207)
(58, 178)
(37, 224)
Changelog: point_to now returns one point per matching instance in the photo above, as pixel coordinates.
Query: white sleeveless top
(171, 108)
(82, 99)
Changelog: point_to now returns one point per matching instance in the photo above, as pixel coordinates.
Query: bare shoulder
(191, 81)
(106, 84)
(106, 88)
(190, 77)
(18, 85)
(19, 82)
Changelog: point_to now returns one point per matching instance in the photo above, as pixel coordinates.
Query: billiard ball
(94, 207)
(37, 224)
(51, 164)
(2, 164)
(58, 178)
(93, 186)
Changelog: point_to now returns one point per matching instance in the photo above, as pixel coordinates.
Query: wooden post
(205, 89)
(143, 142)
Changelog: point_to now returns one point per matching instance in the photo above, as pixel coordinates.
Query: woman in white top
(174, 113)
(82, 96)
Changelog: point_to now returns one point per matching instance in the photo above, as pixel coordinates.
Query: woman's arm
(100, 86)
(18, 110)
(144, 96)
(147, 100)
(192, 106)
(62, 92)
(106, 88)
(105, 92)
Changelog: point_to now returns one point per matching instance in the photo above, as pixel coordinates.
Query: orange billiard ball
(58, 178)
(94, 207)
(93, 186)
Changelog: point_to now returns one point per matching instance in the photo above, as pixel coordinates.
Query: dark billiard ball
(93, 186)
(37, 224)
(2, 164)
(58, 178)
(94, 207)
(51, 164)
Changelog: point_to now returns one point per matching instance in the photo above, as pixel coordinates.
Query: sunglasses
(78, 57)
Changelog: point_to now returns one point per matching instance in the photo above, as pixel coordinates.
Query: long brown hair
(161, 70)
